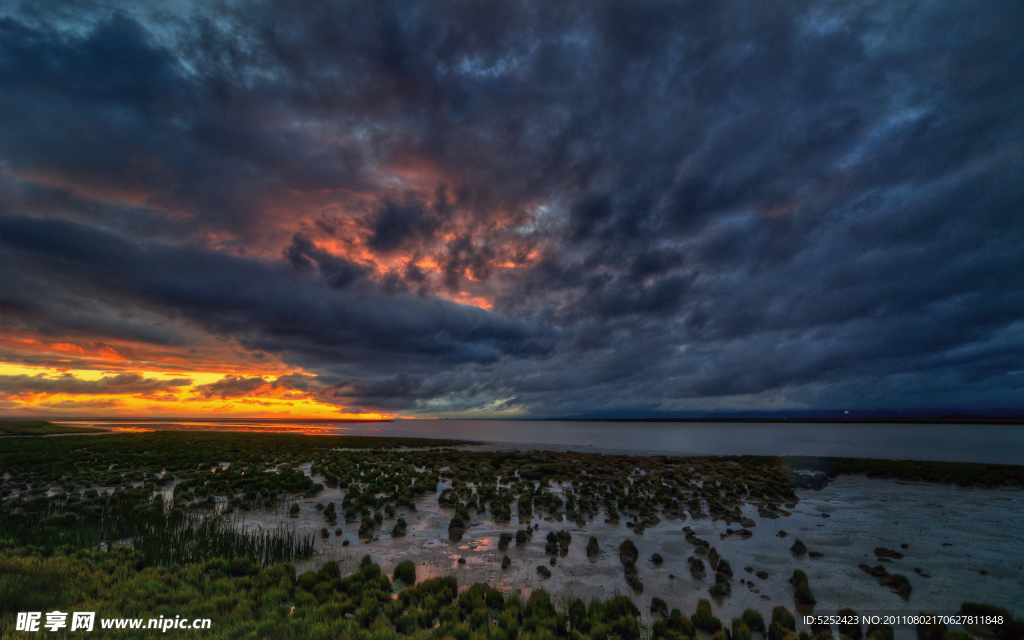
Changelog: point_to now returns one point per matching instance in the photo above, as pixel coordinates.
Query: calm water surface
(949, 442)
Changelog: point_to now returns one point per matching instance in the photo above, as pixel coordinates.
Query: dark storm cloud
(338, 272)
(397, 223)
(116, 116)
(231, 387)
(265, 306)
(239, 386)
(708, 204)
(382, 392)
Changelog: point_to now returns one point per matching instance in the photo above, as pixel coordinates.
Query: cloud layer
(536, 208)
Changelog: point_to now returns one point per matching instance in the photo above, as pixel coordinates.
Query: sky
(510, 209)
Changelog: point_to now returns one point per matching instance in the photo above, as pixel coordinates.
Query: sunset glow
(77, 392)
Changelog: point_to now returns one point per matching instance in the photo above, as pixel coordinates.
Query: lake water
(1002, 444)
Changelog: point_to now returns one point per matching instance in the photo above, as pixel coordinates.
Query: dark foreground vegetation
(245, 600)
(83, 526)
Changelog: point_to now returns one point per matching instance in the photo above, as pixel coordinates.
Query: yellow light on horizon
(179, 401)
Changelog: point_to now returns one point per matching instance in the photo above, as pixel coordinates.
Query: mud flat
(952, 534)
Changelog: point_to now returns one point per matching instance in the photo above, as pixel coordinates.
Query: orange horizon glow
(180, 400)
(66, 353)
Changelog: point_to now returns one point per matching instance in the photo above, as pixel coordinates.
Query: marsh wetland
(269, 534)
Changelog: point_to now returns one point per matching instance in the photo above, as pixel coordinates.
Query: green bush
(628, 553)
(659, 606)
(801, 589)
(783, 624)
(674, 627)
(784, 618)
(406, 572)
(754, 620)
(703, 619)
(740, 630)
(852, 629)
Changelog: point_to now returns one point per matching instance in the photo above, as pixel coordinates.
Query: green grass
(128, 517)
(39, 428)
(34, 584)
(249, 601)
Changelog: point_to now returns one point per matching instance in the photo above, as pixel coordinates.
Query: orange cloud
(24, 391)
(33, 349)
